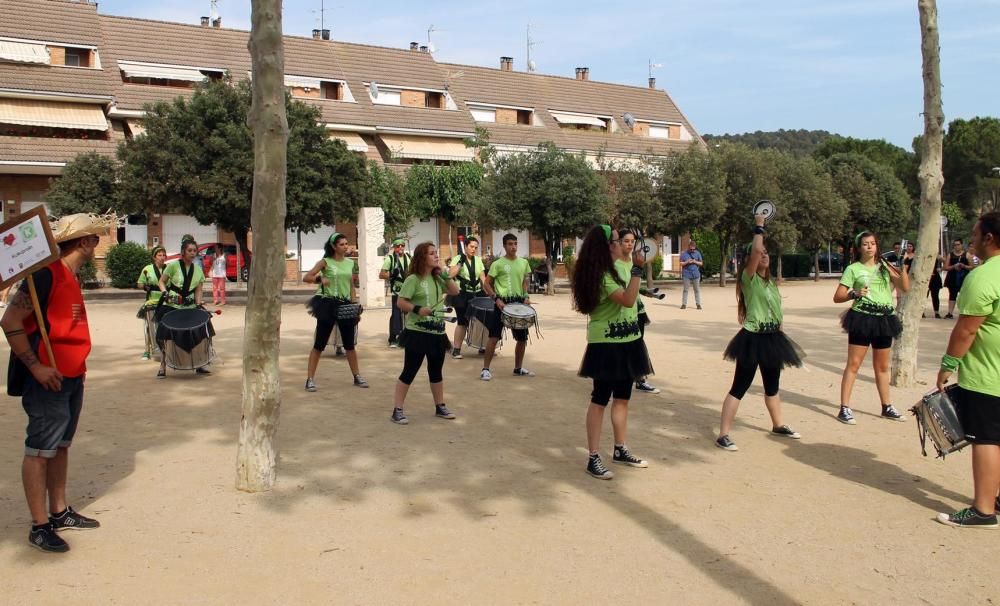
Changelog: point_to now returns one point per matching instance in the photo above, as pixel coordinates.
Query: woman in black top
(958, 267)
(935, 285)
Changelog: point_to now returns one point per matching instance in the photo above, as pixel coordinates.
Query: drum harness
(397, 271)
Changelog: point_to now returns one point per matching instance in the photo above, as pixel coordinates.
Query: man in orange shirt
(52, 391)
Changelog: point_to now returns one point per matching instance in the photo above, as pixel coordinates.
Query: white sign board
(26, 243)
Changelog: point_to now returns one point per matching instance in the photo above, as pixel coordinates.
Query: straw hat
(71, 227)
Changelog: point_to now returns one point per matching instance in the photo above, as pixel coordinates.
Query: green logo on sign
(27, 231)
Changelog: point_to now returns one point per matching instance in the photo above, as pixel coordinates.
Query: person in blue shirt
(691, 264)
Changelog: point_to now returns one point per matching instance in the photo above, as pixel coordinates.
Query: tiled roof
(35, 149)
(543, 93)
(50, 21)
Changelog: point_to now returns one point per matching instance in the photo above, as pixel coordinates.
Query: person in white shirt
(219, 277)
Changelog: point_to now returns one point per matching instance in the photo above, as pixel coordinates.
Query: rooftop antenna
(430, 44)
(530, 44)
(215, 10)
(653, 66)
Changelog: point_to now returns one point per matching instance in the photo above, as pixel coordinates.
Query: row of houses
(74, 80)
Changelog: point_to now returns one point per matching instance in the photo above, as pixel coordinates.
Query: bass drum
(187, 339)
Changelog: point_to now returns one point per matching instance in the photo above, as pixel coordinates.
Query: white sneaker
(486, 375)
(523, 372)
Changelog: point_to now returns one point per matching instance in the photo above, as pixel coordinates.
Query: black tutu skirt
(871, 325)
(616, 361)
(324, 308)
(424, 342)
(766, 349)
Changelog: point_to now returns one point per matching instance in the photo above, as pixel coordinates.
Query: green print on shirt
(879, 301)
(508, 277)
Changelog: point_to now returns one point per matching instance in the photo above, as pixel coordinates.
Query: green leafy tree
(971, 152)
(443, 191)
(385, 190)
(551, 193)
(196, 157)
(692, 189)
(88, 185)
(813, 207)
(902, 162)
(799, 143)
(876, 199)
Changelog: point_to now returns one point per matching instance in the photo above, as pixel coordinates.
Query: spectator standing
(691, 264)
(219, 277)
(957, 265)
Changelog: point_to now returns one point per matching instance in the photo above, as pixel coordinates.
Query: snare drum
(518, 316)
(938, 420)
(480, 314)
(187, 339)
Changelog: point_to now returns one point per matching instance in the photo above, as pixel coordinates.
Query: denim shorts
(52, 416)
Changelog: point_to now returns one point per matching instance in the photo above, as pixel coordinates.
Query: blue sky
(846, 66)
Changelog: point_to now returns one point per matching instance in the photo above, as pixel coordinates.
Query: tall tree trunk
(816, 266)
(257, 457)
(550, 286)
(781, 268)
(904, 352)
(723, 246)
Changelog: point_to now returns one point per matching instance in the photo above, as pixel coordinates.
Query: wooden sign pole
(41, 320)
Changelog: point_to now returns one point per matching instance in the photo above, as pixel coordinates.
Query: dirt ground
(495, 507)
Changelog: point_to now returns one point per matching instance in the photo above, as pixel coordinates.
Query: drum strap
(470, 284)
(185, 290)
(158, 272)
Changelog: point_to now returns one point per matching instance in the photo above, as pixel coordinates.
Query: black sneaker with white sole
(441, 411)
(846, 416)
(786, 432)
(624, 457)
(725, 443)
(645, 387)
(969, 518)
(596, 468)
(360, 381)
(310, 385)
(890, 412)
(398, 417)
(44, 537)
(71, 520)
(456, 354)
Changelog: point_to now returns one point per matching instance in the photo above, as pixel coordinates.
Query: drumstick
(658, 297)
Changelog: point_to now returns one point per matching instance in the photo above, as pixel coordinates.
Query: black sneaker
(596, 468)
(44, 537)
(846, 416)
(310, 385)
(889, 412)
(203, 371)
(456, 354)
(360, 381)
(340, 352)
(161, 374)
(948, 317)
(968, 518)
(71, 520)
(624, 457)
(398, 417)
(645, 387)
(725, 443)
(786, 432)
(441, 411)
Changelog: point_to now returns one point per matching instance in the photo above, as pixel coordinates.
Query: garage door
(422, 231)
(175, 226)
(312, 245)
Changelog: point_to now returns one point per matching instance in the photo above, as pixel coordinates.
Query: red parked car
(206, 252)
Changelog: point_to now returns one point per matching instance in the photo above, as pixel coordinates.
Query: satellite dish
(531, 66)
(629, 120)
(373, 87)
(766, 208)
(431, 48)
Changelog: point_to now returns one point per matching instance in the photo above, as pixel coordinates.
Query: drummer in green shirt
(149, 280)
(180, 285)
(507, 282)
(469, 271)
(870, 322)
(974, 351)
(759, 344)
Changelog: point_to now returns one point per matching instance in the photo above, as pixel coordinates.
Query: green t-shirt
(763, 303)
(879, 299)
(425, 292)
(624, 269)
(341, 276)
(149, 277)
(175, 283)
(610, 322)
(508, 277)
(980, 296)
(401, 264)
(463, 277)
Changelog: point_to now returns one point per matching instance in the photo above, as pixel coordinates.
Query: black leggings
(413, 358)
(347, 333)
(744, 377)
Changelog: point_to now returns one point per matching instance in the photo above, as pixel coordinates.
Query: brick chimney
(217, 23)
(315, 34)
(414, 46)
(506, 64)
(324, 34)
(424, 49)
(204, 21)
(583, 73)
(652, 83)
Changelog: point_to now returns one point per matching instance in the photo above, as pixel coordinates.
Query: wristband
(852, 294)
(759, 229)
(950, 363)
(636, 271)
(416, 309)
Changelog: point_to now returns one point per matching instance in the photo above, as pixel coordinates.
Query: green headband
(398, 242)
(607, 232)
(333, 238)
(157, 249)
(857, 238)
